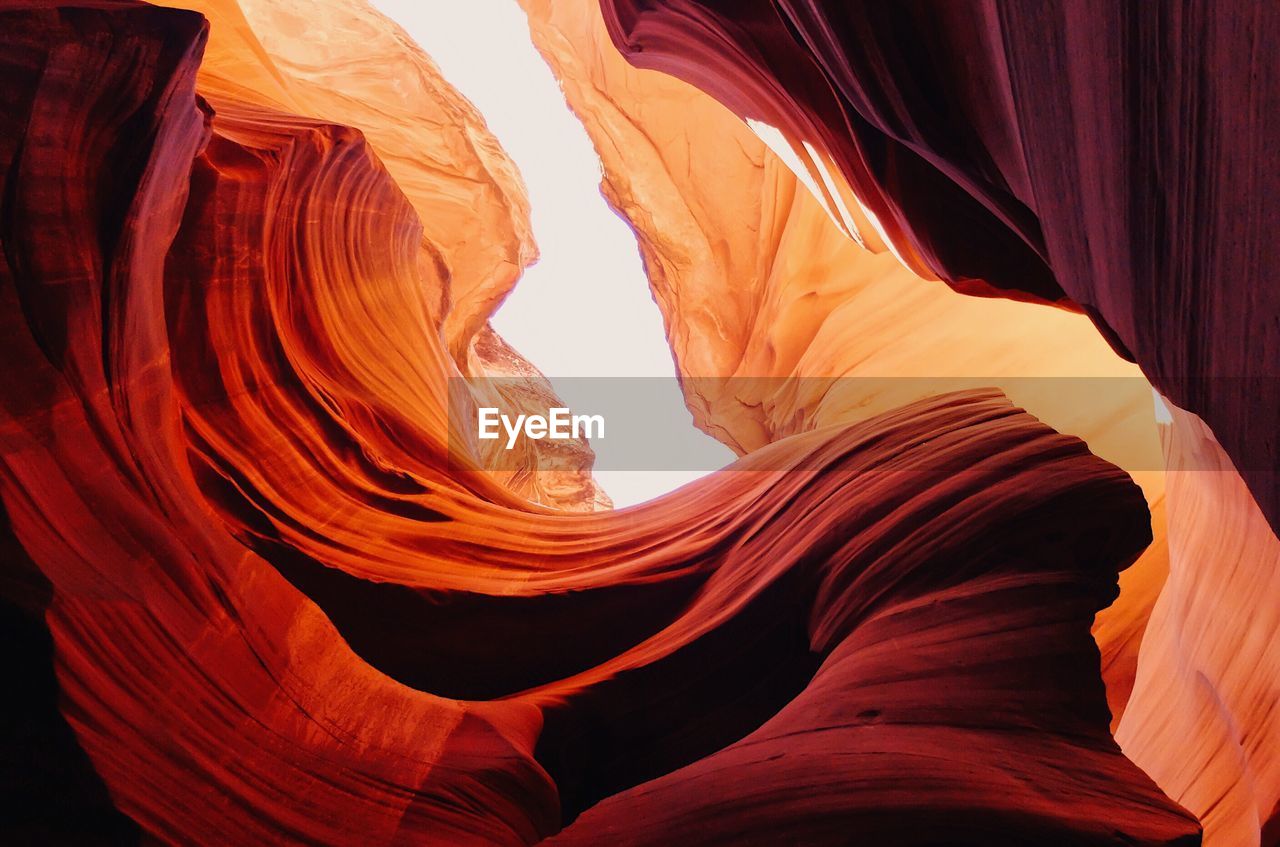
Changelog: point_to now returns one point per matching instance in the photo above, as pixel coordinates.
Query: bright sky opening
(584, 310)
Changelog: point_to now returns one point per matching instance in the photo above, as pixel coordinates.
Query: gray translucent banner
(647, 423)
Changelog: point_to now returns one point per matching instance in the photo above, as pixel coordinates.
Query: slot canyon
(973, 295)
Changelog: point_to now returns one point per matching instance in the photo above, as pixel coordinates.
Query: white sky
(584, 310)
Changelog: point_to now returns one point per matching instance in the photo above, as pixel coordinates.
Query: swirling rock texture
(343, 62)
(259, 597)
(760, 284)
(1111, 158)
(1210, 664)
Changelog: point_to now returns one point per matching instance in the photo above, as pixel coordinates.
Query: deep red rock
(1115, 158)
(277, 616)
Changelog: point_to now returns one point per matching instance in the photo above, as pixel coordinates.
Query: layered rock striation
(786, 310)
(279, 605)
(1107, 159)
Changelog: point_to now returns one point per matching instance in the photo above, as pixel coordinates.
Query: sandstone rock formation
(1203, 719)
(1106, 159)
(345, 63)
(961, 130)
(264, 593)
(781, 321)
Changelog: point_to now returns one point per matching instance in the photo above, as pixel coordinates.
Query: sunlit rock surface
(756, 281)
(1205, 716)
(264, 603)
(962, 130)
(342, 61)
(1111, 159)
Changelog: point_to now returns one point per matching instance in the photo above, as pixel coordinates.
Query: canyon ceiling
(260, 586)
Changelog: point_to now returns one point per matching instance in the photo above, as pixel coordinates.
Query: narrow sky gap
(584, 310)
